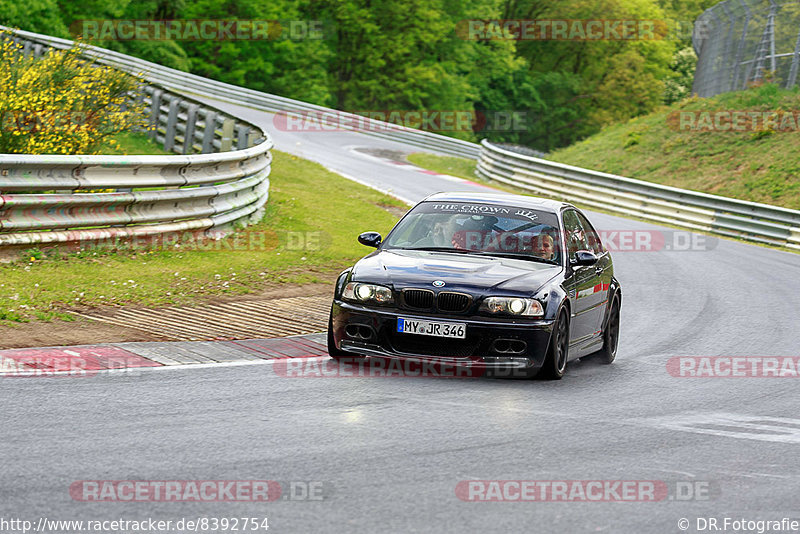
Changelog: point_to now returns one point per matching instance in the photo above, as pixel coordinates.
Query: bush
(62, 104)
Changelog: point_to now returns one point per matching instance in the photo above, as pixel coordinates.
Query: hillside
(751, 159)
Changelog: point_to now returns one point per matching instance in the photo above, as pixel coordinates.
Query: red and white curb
(89, 360)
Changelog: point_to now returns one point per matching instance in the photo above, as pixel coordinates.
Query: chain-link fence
(739, 42)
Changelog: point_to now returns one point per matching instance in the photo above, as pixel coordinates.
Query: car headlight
(513, 306)
(360, 292)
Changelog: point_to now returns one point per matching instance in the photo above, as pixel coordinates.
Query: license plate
(431, 328)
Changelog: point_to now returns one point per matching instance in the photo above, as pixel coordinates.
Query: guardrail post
(209, 132)
(226, 142)
(252, 138)
(155, 111)
(172, 121)
(242, 133)
(188, 135)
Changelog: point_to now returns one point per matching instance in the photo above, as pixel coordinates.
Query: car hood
(415, 268)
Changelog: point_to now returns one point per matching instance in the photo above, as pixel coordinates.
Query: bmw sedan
(505, 284)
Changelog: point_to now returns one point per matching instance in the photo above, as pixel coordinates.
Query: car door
(582, 280)
(604, 269)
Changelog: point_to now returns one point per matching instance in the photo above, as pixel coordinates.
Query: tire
(555, 364)
(336, 353)
(608, 353)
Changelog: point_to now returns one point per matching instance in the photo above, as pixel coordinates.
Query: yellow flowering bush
(60, 103)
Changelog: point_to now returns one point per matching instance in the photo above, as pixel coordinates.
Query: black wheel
(556, 362)
(336, 353)
(611, 334)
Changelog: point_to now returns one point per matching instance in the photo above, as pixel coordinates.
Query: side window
(592, 237)
(575, 233)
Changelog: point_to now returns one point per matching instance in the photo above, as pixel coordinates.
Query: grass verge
(758, 164)
(312, 220)
(132, 144)
(460, 167)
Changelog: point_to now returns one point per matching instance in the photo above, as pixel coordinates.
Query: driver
(544, 246)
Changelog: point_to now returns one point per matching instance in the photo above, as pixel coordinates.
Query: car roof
(522, 201)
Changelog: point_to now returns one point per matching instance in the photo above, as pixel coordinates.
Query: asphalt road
(389, 453)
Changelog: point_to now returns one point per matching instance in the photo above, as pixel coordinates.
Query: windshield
(505, 231)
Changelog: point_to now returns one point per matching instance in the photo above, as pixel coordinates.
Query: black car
(502, 283)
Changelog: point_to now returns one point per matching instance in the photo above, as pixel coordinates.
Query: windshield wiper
(526, 257)
(438, 249)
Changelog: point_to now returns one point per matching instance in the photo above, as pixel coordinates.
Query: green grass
(760, 166)
(133, 144)
(304, 197)
(460, 167)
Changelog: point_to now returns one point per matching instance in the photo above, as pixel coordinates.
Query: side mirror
(584, 257)
(370, 239)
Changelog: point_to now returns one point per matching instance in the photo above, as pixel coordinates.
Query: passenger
(440, 235)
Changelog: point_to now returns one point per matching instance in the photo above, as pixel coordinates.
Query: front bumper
(369, 331)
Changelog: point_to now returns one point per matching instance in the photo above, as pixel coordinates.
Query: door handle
(598, 270)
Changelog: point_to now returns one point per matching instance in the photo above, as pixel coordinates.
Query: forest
(417, 55)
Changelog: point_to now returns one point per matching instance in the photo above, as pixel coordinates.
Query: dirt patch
(394, 210)
(62, 333)
(385, 153)
(85, 331)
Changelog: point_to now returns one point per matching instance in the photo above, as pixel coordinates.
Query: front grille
(453, 302)
(418, 298)
(432, 346)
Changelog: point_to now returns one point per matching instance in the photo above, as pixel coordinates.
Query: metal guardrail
(210, 188)
(187, 83)
(245, 172)
(654, 202)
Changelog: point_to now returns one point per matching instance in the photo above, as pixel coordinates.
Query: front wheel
(608, 353)
(555, 364)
